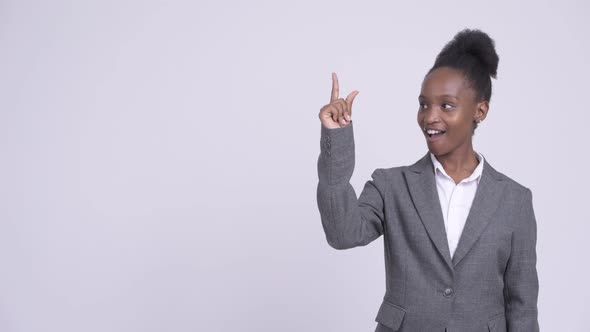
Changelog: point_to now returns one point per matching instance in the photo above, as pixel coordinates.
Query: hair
(473, 52)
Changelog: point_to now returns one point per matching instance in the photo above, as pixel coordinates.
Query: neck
(461, 160)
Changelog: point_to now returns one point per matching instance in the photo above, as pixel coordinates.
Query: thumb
(350, 99)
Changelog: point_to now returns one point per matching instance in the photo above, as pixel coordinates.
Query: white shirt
(456, 199)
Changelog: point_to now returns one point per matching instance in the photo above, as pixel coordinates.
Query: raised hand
(338, 113)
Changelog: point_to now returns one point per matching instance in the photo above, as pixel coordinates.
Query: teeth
(433, 132)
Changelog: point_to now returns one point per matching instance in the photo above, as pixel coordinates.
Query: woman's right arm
(348, 222)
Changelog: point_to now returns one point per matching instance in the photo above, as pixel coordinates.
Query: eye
(422, 106)
(448, 108)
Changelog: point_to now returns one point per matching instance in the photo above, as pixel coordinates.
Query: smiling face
(448, 103)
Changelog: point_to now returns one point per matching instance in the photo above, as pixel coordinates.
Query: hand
(338, 113)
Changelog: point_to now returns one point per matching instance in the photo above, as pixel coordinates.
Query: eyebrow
(447, 95)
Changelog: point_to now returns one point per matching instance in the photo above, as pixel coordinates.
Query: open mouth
(434, 135)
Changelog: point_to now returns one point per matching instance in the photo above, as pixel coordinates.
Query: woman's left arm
(521, 284)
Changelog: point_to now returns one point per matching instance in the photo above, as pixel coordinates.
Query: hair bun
(476, 43)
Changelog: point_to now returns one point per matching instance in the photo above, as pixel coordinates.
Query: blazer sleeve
(348, 222)
(521, 284)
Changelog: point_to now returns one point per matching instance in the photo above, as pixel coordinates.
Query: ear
(482, 110)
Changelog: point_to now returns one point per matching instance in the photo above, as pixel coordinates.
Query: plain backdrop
(158, 167)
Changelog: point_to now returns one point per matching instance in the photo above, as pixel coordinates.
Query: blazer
(490, 283)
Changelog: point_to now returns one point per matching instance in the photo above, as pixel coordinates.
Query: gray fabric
(490, 284)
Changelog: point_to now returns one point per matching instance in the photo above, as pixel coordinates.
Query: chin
(436, 150)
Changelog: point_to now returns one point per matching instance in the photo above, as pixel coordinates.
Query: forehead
(445, 81)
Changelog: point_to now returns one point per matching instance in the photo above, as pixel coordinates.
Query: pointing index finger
(335, 87)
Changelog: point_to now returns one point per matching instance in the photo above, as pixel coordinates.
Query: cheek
(462, 127)
(457, 119)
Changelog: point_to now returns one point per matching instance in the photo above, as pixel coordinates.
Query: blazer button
(448, 292)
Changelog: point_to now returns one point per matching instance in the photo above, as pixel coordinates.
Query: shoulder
(396, 174)
(513, 190)
(510, 183)
(513, 184)
(388, 173)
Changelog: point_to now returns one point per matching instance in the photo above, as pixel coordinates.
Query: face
(448, 103)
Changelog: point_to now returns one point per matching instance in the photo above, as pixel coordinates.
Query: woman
(459, 236)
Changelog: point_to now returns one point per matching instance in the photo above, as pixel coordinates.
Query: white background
(158, 167)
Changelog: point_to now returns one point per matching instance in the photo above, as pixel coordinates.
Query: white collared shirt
(455, 199)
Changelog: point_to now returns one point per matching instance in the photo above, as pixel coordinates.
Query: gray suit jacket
(490, 283)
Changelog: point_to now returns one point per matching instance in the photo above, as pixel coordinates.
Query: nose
(431, 115)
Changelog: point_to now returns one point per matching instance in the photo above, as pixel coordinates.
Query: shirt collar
(476, 175)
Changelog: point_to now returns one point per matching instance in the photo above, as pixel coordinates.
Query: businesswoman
(459, 235)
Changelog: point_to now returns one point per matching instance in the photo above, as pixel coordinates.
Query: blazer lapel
(485, 203)
(422, 187)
